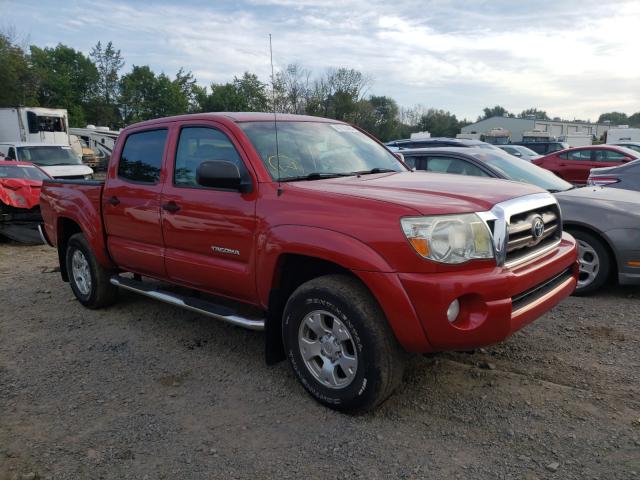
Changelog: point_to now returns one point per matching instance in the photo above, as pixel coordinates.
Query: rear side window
(141, 158)
(579, 155)
(611, 156)
(455, 166)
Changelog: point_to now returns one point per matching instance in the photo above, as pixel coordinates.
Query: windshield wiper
(375, 170)
(316, 176)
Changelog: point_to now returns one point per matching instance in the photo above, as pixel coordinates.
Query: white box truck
(623, 134)
(34, 125)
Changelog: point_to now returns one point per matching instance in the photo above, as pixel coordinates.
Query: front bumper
(494, 302)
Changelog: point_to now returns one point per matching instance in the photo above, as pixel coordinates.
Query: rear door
(131, 203)
(209, 232)
(574, 165)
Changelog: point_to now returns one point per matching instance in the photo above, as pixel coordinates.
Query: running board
(209, 309)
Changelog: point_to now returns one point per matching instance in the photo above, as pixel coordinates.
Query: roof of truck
(242, 117)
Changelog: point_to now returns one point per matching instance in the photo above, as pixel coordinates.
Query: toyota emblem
(537, 228)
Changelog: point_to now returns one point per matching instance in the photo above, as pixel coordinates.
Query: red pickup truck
(313, 231)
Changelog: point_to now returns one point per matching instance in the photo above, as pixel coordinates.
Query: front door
(208, 232)
(131, 203)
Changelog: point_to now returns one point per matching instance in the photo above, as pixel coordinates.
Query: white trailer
(34, 125)
(577, 139)
(100, 139)
(623, 133)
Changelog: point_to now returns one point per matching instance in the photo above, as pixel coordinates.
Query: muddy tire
(89, 280)
(339, 344)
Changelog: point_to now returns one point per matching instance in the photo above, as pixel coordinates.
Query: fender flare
(321, 243)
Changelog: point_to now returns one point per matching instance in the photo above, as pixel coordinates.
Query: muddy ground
(146, 391)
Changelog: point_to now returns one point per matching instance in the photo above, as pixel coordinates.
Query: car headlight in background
(88, 177)
(449, 238)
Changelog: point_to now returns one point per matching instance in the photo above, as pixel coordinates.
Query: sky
(572, 59)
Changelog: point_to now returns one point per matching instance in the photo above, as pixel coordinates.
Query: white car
(59, 161)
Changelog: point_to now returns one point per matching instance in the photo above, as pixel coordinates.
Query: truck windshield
(22, 171)
(313, 150)
(520, 171)
(48, 155)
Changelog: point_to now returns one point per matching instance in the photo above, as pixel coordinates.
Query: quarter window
(609, 156)
(202, 144)
(141, 158)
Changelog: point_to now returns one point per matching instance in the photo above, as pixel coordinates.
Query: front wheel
(339, 344)
(89, 280)
(595, 262)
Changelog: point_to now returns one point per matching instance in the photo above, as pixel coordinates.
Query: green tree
(379, 116)
(66, 79)
(496, 111)
(337, 93)
(634, 120)
(137, 93)
(616, 118)
(246, 93)
(537, 114)
(439, 123)
(17, 81)
(109, 62)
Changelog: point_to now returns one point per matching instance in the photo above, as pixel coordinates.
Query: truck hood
(428, 193)
(20, 193)
(63, 171)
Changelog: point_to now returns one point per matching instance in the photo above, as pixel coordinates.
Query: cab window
(141, 158)
(203, 144)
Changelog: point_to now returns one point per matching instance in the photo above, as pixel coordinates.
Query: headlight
(88, 177)
(449, 238)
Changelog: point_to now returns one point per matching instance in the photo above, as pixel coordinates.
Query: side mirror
(399, 156)
(220, 174)
(517, 154)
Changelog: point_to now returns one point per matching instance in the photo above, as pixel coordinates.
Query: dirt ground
(146, 391)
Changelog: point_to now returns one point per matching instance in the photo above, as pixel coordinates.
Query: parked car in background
(544, 147)
(626, 176)
(520, 152)
(20, 185)
(632, 145)
(605, 222)
(574, 164)
(437, 142)
(58, 161)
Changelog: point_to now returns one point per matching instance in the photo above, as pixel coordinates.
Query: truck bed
(74, 205)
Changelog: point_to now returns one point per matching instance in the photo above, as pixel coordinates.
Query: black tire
(601, 254)
(380, 359)
(101, 293)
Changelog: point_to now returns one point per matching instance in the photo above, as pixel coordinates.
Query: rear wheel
(595, 262)
(89, 280)
(339, 344)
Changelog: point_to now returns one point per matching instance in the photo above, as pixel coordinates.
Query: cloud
(573, 61)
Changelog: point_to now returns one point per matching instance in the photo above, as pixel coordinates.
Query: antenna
(275, 118)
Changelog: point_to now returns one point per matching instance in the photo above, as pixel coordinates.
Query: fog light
(453, 311)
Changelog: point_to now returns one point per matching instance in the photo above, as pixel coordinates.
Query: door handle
(114, 201)
(171, 207)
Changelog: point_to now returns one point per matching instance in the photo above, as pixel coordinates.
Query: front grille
(525, 298)
(532, 231)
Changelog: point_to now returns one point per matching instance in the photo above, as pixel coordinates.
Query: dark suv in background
(543, 148)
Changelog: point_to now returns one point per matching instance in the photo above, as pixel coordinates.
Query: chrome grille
(524, 227)
(529, 229)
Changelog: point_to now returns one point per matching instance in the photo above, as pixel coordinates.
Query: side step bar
(209, 309)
